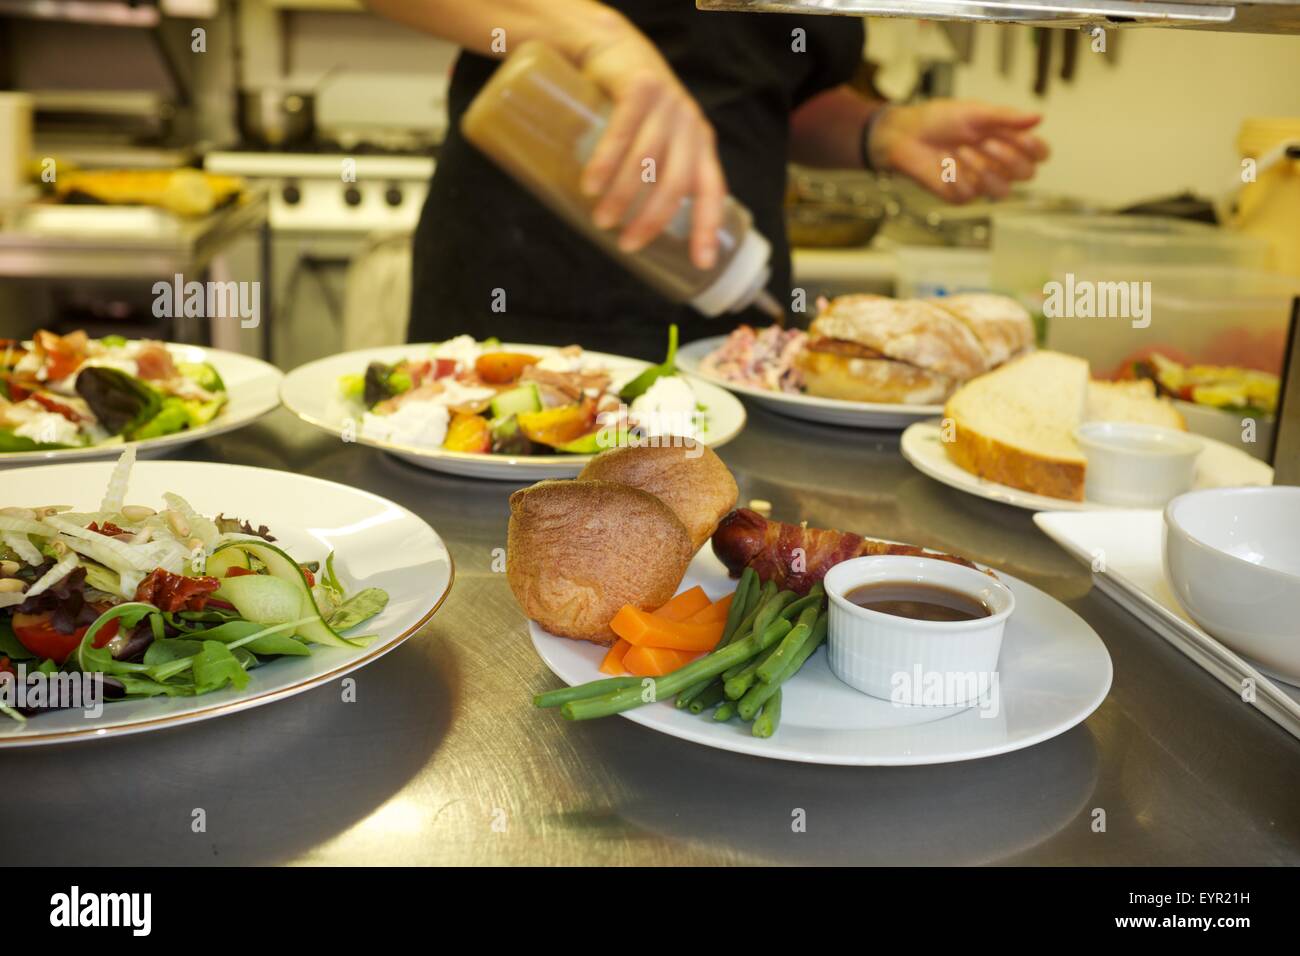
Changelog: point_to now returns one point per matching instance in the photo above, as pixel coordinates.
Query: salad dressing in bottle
(539, 119)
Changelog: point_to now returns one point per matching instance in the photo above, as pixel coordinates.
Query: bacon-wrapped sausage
(796, 557)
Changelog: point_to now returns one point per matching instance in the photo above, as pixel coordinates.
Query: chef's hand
(654, 118)
(958, 149)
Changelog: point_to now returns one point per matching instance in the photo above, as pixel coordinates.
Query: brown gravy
(920, 602)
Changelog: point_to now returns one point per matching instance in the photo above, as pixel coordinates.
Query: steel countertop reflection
(443, 760)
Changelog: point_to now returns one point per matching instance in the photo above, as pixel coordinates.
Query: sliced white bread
(1134, 401)
(1015, 425)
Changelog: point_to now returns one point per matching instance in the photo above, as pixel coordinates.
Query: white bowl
(1136, 466)
(1232, 558)
(911, 662)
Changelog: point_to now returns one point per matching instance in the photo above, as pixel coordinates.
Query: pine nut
(137, 513)
(12, 586)
(176, 521)
(194, 544)
(9, 568)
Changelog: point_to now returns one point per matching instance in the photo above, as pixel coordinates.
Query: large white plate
(1125, 551)
(376, 543)
(1220, 466)
(831, 411)
(252, 390)
(311, 392)
(1054, 671)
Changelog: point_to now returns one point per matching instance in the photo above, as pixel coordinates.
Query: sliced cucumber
(262, 598)
(223, 560)
(282, 566)
(523, 399)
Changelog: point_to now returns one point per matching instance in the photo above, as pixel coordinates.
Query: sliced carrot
(685, 604)
(613, 662)
(649, 630)
(717, 611)
(656, 661)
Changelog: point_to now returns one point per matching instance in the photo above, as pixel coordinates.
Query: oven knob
(291, 194)
(352, 196)
(393, 195)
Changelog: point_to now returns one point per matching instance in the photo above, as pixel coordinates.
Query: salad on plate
(488, 398)
(153, 603)
(72, 391)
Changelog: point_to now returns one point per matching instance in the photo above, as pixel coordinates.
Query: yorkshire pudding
(579, 550)
(685, 475)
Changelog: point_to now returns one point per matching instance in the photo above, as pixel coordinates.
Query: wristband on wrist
(867, 127)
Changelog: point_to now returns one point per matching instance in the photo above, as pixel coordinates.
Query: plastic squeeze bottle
(539, 119)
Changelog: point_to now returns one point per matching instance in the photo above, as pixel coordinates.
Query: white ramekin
(909, 662)
(1136, 466)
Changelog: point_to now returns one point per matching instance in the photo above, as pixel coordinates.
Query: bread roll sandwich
(1002, 325)
(577, 551)
(869, 348)
(688, 477)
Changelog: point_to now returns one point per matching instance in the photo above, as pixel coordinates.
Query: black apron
(479, 232)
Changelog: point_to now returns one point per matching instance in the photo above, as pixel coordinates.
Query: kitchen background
(284, 91)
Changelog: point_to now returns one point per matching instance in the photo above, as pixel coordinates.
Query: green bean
(739, 604)
(739, 682)
(725, 712)
(765, 724)
(711, 665)
(815, 597)
(554, 698)
(782, 654)
(758, 695)
(712, 694)
(770, 611)
(745, 603)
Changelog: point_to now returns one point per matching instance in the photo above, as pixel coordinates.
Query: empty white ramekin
(911, 662)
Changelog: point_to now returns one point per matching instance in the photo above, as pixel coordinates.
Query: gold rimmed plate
(376, 543)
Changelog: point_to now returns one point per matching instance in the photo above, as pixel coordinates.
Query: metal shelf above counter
(110, 242)
(1232, 16)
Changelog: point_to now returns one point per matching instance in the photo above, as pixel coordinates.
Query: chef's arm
(827, 131)
(957, 149)
(571, 26)
(652, 111)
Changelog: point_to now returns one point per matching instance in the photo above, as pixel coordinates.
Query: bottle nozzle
(770, 307)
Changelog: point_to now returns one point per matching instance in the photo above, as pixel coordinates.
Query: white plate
(831, 411)
(1220, 466)
(311, 392)
(1125, 551)
(377, 544)
(252, 390)
(1054, 672)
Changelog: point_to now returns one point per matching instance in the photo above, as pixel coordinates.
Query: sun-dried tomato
(50, 405)
(107, 528)
(176, 592)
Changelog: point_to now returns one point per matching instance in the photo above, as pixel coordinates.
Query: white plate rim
(910, 444)
(223, 423)
(367, 655)
(524, 466)
(690, 355)
(771, 748)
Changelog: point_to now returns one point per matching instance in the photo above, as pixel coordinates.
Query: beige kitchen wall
(1160, 117)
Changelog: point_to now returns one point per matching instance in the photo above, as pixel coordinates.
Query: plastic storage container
(540, 119)
(925, 271)
(1185, 262)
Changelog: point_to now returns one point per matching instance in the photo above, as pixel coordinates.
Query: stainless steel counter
(442, 759)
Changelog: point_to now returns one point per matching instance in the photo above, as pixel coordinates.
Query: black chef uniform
(480, 232)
